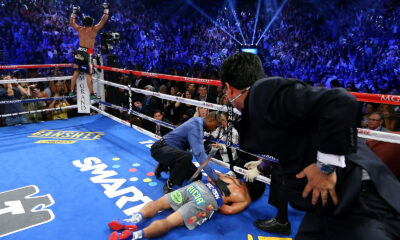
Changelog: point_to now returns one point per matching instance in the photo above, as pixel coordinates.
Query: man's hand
(319, 183)
(106, 7)
(215, 145)
(138, 104)
(223, 186)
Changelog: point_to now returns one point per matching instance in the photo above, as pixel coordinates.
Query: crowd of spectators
(356, 44)
(335, 44)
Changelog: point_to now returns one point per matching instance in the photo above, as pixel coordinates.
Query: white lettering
(112, 186)
(111, 191)
(135, 209)
(87, 163)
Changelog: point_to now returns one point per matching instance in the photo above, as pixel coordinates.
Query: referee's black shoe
(273, 226)
(168, 186)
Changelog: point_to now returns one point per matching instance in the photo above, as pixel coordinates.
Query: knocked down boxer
(193, 204)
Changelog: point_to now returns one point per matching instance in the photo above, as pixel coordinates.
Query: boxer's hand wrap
(223, 186)
(106, 7)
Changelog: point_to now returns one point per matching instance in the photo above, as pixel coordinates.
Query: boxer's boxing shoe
(123, 224)
(125, 235)
(93, 96)
(273, 226)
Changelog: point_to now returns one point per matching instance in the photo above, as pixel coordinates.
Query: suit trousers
(275, 197)
(370, 217)
(179, 161)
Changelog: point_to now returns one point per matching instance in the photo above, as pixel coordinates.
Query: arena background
(171, 46)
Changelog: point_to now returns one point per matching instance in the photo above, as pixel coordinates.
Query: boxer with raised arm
(83, 56)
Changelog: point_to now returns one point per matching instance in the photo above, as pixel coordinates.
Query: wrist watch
(325, 168)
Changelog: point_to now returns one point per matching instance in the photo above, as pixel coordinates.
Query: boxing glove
(106, 7)
(76, 10)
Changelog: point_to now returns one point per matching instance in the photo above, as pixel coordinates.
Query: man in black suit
(157, 128)
(203, 96)
(312, 131)
(148, 104)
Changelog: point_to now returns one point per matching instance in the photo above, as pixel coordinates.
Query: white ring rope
(35, 100)
(216, 161)
(37, 111)
(170, 97)
(46, 79)
(378, 135)
(363, 133)
(170, 126)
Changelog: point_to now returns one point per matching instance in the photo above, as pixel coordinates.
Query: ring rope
(363, 133)
(162, 76)
(35, 66)
(150, 134)
(37, 111)
(144, 131)
(45, 79)
(36, 100)
(170, 126)
(170, 97)
(363, 97)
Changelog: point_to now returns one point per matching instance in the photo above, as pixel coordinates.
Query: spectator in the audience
(157, 128)
(203, 96)
(33, 92)
(369, 108)
(185, 111)
(375, 122)
(201, 112)
(389, 116)
(59, 113)
(10, 92)
(149, 103)
(224, 100)
(169, 107)
(220, 134)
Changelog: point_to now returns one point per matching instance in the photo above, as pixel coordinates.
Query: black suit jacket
(291, 121)
(209, 99)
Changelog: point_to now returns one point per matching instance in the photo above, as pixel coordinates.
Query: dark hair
(241, 70)
(88, 21)
(335, 83)
(157, 111)
(256, 189)
(379, 114)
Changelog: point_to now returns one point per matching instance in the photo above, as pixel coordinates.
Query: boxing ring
(67, 179)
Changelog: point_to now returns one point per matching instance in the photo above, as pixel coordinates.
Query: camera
(109, 37)
(32, 88)
(108, 40)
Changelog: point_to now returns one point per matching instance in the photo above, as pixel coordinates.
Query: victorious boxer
(87, 36)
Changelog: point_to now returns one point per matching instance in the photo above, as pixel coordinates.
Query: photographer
(10, 92)
(33, 92)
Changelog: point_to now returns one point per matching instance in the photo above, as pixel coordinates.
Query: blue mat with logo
(67, 179)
